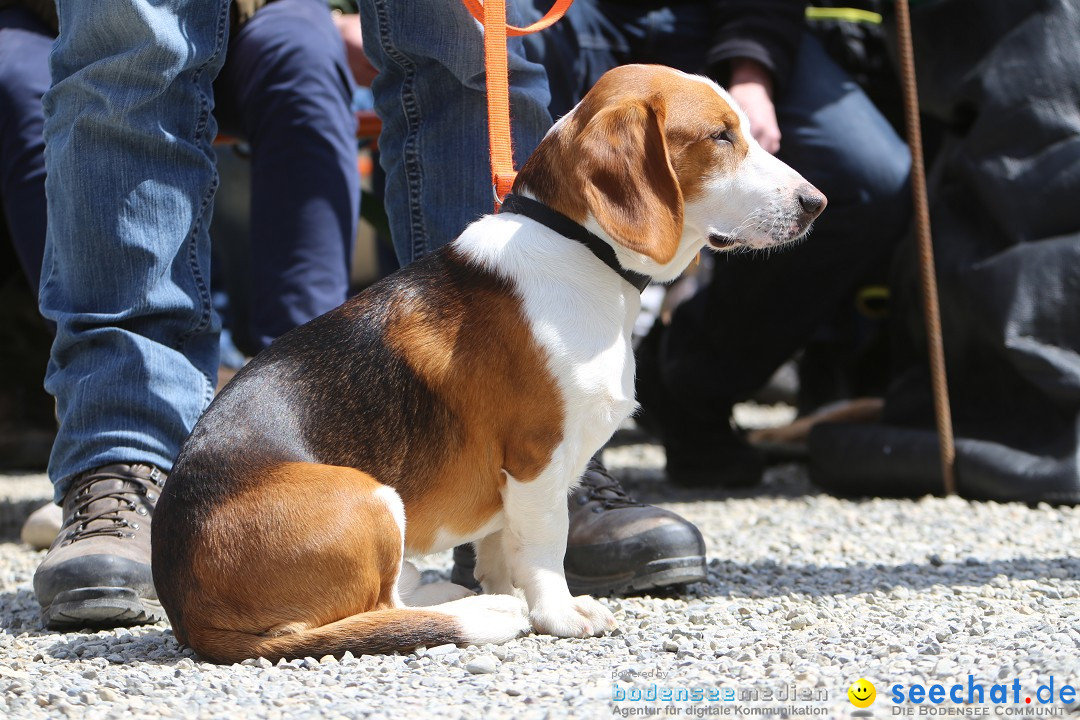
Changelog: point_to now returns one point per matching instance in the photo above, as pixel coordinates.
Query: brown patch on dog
(704, 135)
(636, 150)
(310, 544)
(476, 352)
(323, 585)
(430, 382)
(629, 183)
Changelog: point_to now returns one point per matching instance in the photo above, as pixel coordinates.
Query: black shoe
(615, 544)
(464, 565)
(97, 572)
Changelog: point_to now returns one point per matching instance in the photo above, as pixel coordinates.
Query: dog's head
(662, 163)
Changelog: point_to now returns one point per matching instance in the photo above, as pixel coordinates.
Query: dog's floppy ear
(629, 183)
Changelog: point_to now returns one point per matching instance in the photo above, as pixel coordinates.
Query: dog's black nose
(812, 201)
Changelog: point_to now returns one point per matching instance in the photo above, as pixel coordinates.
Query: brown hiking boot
(615, 544)
(97, 572)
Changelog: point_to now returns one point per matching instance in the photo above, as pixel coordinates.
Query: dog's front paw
(576, 617)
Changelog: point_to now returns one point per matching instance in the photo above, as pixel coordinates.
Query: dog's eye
(723, 136)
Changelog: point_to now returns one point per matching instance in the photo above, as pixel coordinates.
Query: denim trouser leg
(130, 182)
(758, 310)
(430, 95)
(25, 43)
(286, 88)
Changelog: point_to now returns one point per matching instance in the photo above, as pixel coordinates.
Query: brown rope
(931, 309)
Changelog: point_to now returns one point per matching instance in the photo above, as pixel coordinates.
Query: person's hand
(349, 27)
(751, 86)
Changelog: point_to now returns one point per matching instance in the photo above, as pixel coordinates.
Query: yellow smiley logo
(862, 693)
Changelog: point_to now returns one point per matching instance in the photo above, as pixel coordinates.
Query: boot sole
(657, 574)
(100, 607)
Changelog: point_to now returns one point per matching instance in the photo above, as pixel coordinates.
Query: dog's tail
(470, 621)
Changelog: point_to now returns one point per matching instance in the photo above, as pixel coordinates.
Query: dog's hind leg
(308, 562)
(481, 618)
(488, 618)
(410, 590)
(413, 592)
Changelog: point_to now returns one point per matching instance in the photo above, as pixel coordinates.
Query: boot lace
(597, 485)
(111, 521)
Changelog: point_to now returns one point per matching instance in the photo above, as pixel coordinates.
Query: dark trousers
(287, 90)
(24, 77)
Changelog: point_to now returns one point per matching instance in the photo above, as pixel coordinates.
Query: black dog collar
(568, 228)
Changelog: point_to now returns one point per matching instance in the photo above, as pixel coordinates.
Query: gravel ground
(806, 594)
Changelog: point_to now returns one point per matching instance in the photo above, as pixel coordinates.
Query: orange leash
(492, 15)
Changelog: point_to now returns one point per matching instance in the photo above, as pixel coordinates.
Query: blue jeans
(430, 94)
(130, 181)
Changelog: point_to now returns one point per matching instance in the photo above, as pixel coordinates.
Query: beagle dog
(459, 399)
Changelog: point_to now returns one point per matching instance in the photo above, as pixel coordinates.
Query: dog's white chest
(590, 355)
(581, 315)
(599, 393)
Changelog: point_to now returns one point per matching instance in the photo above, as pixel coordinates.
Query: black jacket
(768, 31)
